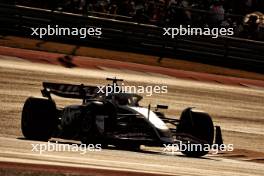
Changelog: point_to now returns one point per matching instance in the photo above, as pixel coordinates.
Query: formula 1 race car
(114, 119)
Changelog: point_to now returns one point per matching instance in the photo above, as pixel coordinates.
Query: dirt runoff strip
(173, 63)
(25, 169)
(97, 63)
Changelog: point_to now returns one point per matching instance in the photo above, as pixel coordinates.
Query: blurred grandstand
(202, 13)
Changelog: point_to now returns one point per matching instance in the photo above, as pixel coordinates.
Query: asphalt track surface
(237, 109)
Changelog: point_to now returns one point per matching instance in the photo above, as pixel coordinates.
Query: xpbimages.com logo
(181, 147)
(56, 147)
(148, 90)
(65, 31)
(194, 31)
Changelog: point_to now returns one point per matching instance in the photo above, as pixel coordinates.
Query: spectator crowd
(202, 13)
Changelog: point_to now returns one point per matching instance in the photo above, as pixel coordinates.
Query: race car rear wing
(68, 90)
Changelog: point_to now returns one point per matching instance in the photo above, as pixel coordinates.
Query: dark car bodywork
(116, 119)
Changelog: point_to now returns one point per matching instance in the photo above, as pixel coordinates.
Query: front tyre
(196, 129)
(38, 120)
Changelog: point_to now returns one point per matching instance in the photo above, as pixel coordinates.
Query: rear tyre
(38, 120)
(196, 127)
